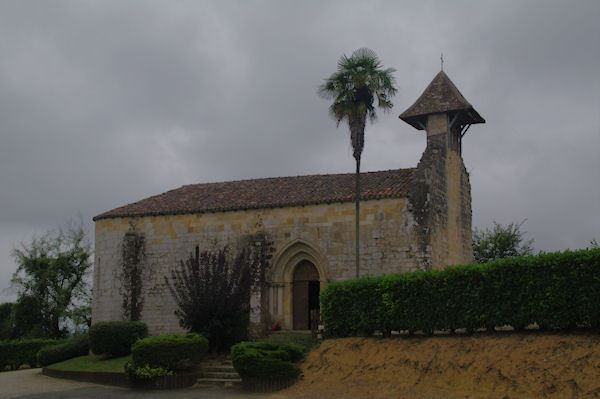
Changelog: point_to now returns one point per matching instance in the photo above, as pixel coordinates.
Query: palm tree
(359, 80)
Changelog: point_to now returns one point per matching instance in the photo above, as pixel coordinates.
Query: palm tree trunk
(357, 216)
(357, 136)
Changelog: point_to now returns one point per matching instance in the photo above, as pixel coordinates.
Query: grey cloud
(105, 103)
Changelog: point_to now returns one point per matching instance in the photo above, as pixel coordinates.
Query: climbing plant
(133, 256)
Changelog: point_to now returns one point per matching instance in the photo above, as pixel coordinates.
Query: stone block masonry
(326, 229)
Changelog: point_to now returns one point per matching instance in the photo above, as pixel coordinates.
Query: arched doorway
(305, 294)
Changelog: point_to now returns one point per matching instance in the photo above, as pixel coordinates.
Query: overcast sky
(104, 103)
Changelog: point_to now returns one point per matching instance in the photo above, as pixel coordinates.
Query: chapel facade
(411, 219)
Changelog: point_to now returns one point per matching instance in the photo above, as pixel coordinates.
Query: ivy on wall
(133, 256)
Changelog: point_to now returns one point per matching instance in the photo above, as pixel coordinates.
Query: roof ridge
(290, 177)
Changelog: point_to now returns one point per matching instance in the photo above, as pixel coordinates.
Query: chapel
(411, 219)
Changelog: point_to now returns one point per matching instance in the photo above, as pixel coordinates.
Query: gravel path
(32, 384)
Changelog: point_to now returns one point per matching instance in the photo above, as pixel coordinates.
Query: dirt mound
(501, 365)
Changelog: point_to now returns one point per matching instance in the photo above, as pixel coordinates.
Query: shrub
(557, 291)
(170, 351)
(146, 372)
(114, 338)
(266, 360)
(7, 323)
(212, 290)
(305, 341)
(76, 346)
(20, 352)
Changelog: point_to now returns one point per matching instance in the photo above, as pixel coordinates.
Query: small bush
(146, 372)
(20, 352)
(306, 341)
(266, 360)
(76, 346)
(170, 351)
(114, 338)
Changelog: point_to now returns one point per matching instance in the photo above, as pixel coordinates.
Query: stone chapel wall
(386, 247)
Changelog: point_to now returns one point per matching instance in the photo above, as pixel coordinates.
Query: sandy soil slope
(500, 365)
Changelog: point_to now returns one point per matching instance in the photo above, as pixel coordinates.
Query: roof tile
(440, 96)
(268, 193)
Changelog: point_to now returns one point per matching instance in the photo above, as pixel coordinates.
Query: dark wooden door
(305, 295)
(301, 318)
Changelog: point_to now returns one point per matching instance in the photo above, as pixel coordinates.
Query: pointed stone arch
(286, 259)
(281, 278)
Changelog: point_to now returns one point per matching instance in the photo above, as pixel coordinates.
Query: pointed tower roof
(440, 96)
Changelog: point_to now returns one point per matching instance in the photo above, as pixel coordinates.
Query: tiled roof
(268, 193)
(440, 96)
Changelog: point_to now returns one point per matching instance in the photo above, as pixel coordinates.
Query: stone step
(222, 369)
(220, 374)
(225, 382)
(217, 364)
(291, 332)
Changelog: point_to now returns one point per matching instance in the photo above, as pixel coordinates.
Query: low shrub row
(17, 353)
(76, 346)
(556, 290)
(266, 360)
(114, 338)
(172, 352)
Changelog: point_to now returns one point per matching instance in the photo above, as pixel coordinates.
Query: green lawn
(92, 363)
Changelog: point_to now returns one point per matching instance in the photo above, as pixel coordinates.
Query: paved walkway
(32, 384)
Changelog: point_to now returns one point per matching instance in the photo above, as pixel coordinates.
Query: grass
(92, 363)
(305, 340)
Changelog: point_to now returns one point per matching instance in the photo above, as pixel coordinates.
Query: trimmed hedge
(114, 338)
(169, 351)
(266, 360)
(76, 346)
(20, 352)
(556, 290)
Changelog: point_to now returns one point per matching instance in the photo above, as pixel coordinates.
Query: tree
(6, 321)
(26, 318)
(359, 80)
(81, 315)
(212, 292)
(500, 242)
(51, 280)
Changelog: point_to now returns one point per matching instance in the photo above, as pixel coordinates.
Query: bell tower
(440, 193)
